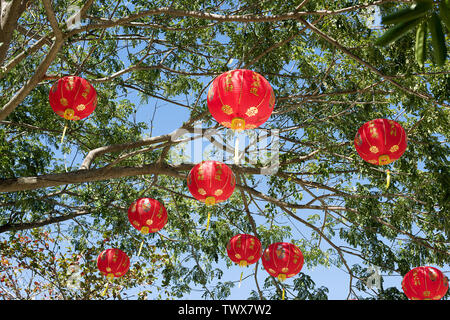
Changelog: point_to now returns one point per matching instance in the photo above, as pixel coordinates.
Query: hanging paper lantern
(244, 249)
(380, 141)
(211, 182)
(282, 260)
(113, 263)
(73, 98)
(425, 283)
(240, 99)
(147, 215)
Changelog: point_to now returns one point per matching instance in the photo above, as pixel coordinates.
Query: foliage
(422, 14)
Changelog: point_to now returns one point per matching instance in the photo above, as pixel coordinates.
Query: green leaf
(438, 40)
(444, 12)
(396, 32)
(408, 14)
(421, 43)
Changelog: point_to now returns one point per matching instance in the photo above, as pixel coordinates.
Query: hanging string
(236, 149)
(282, 295)
(240, 279)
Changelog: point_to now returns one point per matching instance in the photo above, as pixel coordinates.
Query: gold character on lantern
(146, 206)
(70, 83)
(280, 252)
(256, 84)
(252, 244)
(393, 131)
(416, 278)
(218, 172)
(228, 82)
(200, 172)
(86, 91)
(373, 129)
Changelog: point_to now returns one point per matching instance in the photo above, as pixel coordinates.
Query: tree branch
(9, 14)
(31, 225)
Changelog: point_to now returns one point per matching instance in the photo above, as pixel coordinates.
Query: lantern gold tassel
(207, 222)
(63, 134)
(388, 178)
(282, 277)
(242, 263)
(140, 248)
(68, 115)
(209, 201)
(144, 231)
(104, 291)
(109, 276)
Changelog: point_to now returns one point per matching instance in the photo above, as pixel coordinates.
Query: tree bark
(10, 14)
(80, 176)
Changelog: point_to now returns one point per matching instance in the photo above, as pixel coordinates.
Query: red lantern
(113, 263)
(425, 283)
(282, 260)
(211, 182)
(73, 98)
(147, 215)
(380, 141)
(244, 249)
(240, 99)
